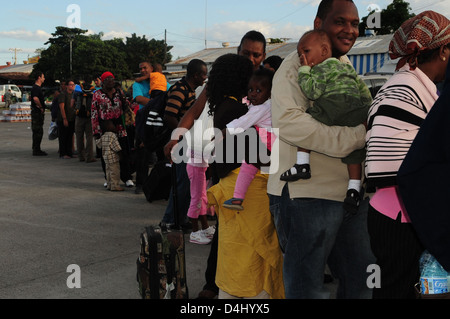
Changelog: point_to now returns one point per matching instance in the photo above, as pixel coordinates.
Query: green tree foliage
(391, 18)
(139, 49)
(92, 56)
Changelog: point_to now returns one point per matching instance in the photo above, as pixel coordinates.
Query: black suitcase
(161, 266)
(158, 184)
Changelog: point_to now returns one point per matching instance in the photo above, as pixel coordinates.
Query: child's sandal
(303, 172)
(234, 204)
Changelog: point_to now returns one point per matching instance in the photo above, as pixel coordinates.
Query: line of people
(278, 245)
(276, 233)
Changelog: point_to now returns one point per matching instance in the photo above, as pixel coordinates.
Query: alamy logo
(74, 280)
(374, 279)
(74, 19)
(374, 21)
(197, 147)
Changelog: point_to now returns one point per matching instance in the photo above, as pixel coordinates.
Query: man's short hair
(325, 8)
(255, 36)
(194, 67)
(38, 75)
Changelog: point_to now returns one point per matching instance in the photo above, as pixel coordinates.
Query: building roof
(363, 45)
(17, 72)
(19, 68)
(371, 45)
(211, 55)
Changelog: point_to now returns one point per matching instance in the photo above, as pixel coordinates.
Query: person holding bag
(421, 176)
(249, 262)
(423, 45)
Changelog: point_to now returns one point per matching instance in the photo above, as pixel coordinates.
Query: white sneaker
(209, 233)
(105, 185)
(129, 183)
(199, 238)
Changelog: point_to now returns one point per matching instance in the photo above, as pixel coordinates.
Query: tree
(93, 56)
(55, 61)
(141, 49)
(391, 18)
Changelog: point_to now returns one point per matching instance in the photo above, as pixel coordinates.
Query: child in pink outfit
(196, 169)
(199, 204)
(260, 116)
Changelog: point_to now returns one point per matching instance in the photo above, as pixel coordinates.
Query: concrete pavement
(55, 213)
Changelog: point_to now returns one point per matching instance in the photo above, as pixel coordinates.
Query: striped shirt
(180, 98)
(395, 117)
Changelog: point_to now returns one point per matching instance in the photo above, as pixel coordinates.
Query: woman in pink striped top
(423, 45)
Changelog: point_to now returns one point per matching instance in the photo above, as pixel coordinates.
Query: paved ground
(55, 213)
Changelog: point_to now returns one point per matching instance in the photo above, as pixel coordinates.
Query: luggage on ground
(161, 266)
(158, 184)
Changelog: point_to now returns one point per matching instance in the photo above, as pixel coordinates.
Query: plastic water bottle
(434, 279)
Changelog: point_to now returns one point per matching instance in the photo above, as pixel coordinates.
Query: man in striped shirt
(181, 97)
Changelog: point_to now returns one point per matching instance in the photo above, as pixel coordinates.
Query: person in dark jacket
(423, 179)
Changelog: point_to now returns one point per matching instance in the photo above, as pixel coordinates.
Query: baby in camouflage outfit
(340, 99)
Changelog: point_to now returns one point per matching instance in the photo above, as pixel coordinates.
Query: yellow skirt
(249, 256)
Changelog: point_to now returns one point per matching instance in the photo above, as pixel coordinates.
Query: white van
(14, 90)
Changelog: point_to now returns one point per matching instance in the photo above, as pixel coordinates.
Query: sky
(190, 25)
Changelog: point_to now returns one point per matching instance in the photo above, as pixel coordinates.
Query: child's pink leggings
(245, 178)
(199, 200)
(248, 171)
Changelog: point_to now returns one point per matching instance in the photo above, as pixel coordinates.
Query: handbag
(53, 131)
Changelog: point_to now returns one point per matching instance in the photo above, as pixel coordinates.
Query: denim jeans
(317, 232)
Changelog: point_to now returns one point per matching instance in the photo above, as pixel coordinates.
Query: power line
(197, 39)
(206, 40)
(292, 13)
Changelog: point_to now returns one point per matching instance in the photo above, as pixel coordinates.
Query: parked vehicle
(16, 92)
(375, 81)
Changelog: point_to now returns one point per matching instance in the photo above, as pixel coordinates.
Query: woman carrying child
(250, 261)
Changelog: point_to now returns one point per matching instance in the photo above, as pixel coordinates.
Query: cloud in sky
(33, 24)
(440, 6)
(233, 31)
(116, 34)
(26, 35)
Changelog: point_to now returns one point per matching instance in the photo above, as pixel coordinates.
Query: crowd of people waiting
(275, 237)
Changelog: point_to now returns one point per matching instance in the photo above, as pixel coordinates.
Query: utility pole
(15, 50)
(71, 37)
(165, 47)
(206, 23)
